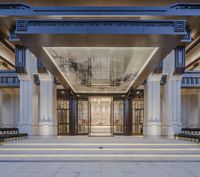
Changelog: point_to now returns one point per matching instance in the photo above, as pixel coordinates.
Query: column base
(171, 130)
(152, 129)
(31, 130)
(47, 129)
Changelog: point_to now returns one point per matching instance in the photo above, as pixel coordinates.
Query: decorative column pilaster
(25, 67)
(174, 65)
(172, 107)
(28, 122)
(47, 116)
(152, 115)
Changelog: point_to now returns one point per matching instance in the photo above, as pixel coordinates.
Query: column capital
(26, 77)
(174, 78)
(154, 77)
(46, 77)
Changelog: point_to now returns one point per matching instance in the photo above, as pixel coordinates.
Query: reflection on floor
(99, 156)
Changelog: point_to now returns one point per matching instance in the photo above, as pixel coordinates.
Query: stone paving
(81, 156)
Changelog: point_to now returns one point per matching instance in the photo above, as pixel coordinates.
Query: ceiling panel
(100, 69)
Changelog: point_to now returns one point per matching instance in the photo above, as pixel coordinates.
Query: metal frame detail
(179, 9)
(9, 78)
(101, 27)
(20, 59)
(179, 60)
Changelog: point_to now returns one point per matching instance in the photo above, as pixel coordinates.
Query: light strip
(99, 149)
(102, 155)
(58, 69)
(152, 54)
(99, 144)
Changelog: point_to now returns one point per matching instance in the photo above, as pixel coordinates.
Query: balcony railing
(191, 79)
(8, 79)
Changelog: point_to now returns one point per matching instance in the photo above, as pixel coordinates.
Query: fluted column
(28, 121)
(172, 106)
(152, 117)
(47, 118)
(173, 67)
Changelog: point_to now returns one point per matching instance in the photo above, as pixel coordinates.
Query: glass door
(100, 116)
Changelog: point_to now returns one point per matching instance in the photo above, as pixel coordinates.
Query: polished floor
(82, 156)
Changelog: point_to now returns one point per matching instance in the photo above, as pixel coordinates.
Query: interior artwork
(100, 69)
(100, 118)
(83, 117)
(118, 116)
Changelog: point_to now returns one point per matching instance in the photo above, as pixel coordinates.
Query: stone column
(173, 68)
(28, 121)
(152, 115)
(172, 106)
(47, 116)
(28, 106)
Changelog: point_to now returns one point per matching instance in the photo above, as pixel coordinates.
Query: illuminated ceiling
(100, 69)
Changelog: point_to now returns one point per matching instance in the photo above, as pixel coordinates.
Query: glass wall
(118, 117)
(100, 116)
(83, 117)
(63, 116)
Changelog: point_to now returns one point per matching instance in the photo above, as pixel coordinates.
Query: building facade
(104, 70)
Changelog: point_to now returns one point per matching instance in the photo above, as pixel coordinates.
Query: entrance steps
(84, 148)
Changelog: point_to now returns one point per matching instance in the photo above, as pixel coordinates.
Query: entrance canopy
(100, 47)
(101, 56)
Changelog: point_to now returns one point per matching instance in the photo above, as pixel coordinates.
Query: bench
(9, 130)
(8, 137)
(189, 134)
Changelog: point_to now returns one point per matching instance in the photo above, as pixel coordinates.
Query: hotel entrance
(100, 115)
